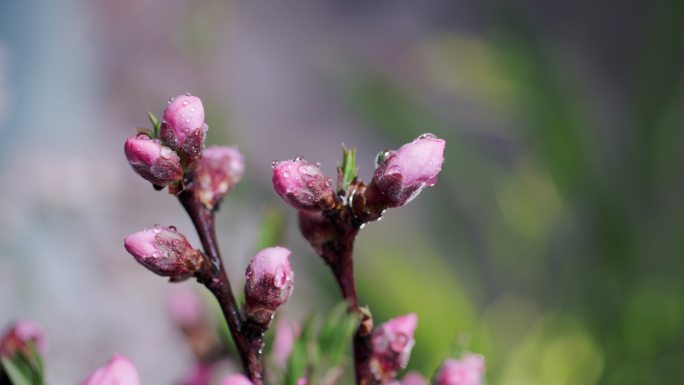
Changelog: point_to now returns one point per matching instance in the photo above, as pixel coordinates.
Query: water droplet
(427, 135)
(166, 153)
(157, 229)
(142, 137)
(308, 169)
(298, 159)
(188, 94)
(362, 226)
(290, 166)
(318, 164)
(187, 119)
(172, 229)
(156, 254)
(382, 156)
(171, 99)
(205, 127)
(275, 163)
(286, 174)
(185, 102)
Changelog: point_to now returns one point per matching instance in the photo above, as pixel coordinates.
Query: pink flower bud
(118, 371)
(164, 251)
(414, 378)
(269, 282)
(217, 173)
(183, 128)
(405, 172)
(317, 230)
(392, 343)
(200, 375)
(186, 307)
(468, 370)
(18, 336)
(302, 185)
(302, 381)
(285, 336)
(236, 379)
(153, 161)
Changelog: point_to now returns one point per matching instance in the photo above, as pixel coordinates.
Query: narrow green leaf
(348, 167)
(16, 375)
(156, 124)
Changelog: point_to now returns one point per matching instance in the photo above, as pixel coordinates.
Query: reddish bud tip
(164, 251)
(236, 379)
(302, 185)
(217, 173)
(269, 281)
(392, 343)
(405, 172)
(183, 128)
(119, 370)
(468, 370)
(18, 336)
(153, 161)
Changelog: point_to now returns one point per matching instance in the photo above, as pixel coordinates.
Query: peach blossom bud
(302, 185)
(413, 378)
(153, 161)
(392, 343)
(18, 336)
(468, 370)
(164, 251)
(285, 336)
(403, 173)
(269, 282)
(183, 128)
(217, 173)
(118, 371)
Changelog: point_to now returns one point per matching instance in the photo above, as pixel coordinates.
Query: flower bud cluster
(176, 155)
(17, 338)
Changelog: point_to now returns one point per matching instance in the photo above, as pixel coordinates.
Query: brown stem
(214, 277)
(339, 254)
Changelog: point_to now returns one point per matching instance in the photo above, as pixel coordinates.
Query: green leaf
(16, 374)
(298, 363)
(348, 168)
(156, 124)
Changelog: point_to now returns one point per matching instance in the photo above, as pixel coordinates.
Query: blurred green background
(553, 242)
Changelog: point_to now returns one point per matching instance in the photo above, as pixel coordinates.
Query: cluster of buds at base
(153, 161)
(183, 128)
(17, 338)
(402, 174)
(269, 285)
(216, 174)
(165, 252)
(468, 370)
(391, 346)
(119, 370)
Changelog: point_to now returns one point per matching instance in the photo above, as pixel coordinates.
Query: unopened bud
(414, 378)
(236, 379)
(302, 185)
(286, 333)
(403, 173)
(119, 370)
(153, 161)
(217, 173)
(165, 252)
(316, 229)
(468, 370)
(392, 343)
(19, 335)
(183, 128)
(269, 283)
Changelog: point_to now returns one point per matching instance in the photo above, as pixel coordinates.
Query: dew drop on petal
(142, 137)
(156, 254)
(172, 229)
(427, 135)
(188, 94)
(286, 174)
